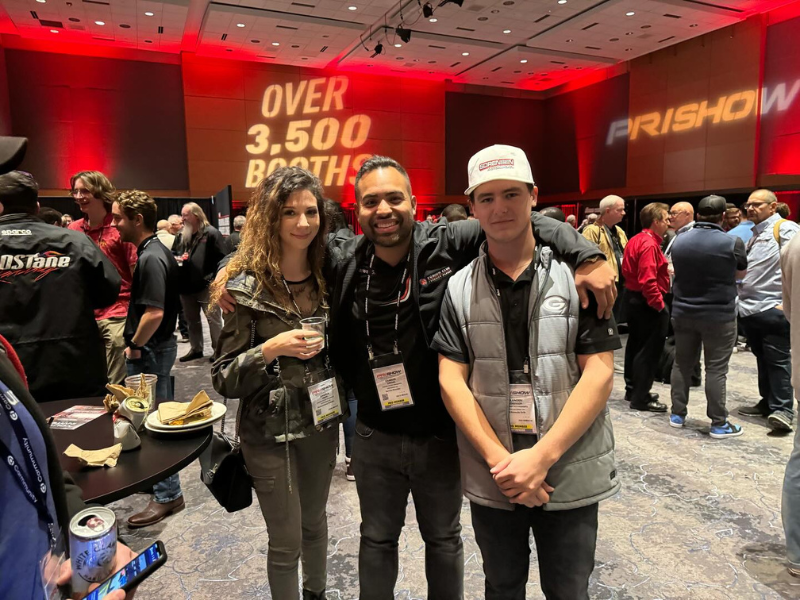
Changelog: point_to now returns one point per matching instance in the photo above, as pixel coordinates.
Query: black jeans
(387, 467)
(647, 330)
(768, 335)
(565, 544)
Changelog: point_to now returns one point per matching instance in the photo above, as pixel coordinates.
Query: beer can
(92, 547)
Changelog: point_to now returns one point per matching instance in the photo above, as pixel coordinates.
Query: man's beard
(187, 232)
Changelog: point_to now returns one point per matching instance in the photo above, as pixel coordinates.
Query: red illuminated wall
(779, 157)
(227, 111)
(122, 117)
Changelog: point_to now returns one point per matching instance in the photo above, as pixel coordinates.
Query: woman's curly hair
(259, 251)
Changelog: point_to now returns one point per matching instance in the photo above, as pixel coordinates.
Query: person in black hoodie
(53, 279)
(198, 248)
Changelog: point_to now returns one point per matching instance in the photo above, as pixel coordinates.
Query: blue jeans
(349, 425)
(791, 504)
(159, 361)
(387, 467)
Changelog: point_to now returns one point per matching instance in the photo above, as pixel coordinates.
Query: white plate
(153, 424)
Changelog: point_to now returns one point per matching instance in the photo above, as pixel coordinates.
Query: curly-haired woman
(291, 403)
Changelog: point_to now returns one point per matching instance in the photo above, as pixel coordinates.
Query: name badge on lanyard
(522, 403)
(388, 370)
(324, 394)
(390, 379)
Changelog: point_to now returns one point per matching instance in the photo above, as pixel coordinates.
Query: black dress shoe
(650, 407)
(653, 397)
(191, 356)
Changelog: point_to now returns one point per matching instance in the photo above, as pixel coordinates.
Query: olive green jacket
(275, 402)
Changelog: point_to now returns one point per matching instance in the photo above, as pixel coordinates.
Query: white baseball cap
(498, 162)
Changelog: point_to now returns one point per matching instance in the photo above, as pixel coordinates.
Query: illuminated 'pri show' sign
(324, 146)
(733, 107)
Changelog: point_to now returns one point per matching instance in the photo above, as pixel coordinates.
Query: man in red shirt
(94, 195)
(644, 269)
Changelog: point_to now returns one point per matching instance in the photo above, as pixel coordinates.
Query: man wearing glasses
(761, 311)
(94, 195)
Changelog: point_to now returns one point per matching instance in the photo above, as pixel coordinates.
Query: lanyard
(397, 314)
(35, 492)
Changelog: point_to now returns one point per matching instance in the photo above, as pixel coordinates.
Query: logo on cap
(498, 163)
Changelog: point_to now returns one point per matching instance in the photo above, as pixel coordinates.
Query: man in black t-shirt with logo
(149, 330)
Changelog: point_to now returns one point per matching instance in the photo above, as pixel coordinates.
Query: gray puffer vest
(586, 473)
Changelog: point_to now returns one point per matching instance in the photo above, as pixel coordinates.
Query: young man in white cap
(526, 373)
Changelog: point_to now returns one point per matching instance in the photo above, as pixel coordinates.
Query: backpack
(776, 231)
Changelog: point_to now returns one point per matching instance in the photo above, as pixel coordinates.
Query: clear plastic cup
(151, 381)
(316, 324)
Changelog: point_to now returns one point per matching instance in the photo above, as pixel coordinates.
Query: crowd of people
(470, 356)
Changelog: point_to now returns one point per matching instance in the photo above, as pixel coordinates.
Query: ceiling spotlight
(99, 23)
(465, 54)
(506, 31)
(352, 8)
(276, 43)
(630, 13)
(398, 45)
(378, 50)
(524, 60)
(54, 31)
(148, 14)
(460, 3)
(433, 19)
(240, 24)
(41, 1)
(562, 1)
(427, 10)
(403, 33)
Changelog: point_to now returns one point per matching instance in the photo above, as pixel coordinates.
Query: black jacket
(66, 495)
(440, 250)
(205, 252)
(51, 280)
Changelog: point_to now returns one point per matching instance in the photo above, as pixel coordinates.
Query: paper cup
(316, 324)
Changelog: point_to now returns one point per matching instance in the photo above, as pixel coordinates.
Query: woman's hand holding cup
(297, 343)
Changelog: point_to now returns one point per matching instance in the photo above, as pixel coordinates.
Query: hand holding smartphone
(132, 574)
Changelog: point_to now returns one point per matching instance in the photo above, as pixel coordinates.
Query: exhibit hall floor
(696, 517)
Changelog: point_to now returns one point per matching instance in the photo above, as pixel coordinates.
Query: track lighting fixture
(378, 50)
(403, 34)
(460, 3)
(427, 10)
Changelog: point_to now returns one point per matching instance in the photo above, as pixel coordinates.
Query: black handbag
(222, 467)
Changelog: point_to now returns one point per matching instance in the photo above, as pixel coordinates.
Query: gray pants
(717, 341)
(193, 305)
(297, 523)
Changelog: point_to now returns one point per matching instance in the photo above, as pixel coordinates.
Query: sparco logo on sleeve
(41, 264)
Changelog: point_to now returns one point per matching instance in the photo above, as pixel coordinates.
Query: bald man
(681, 220)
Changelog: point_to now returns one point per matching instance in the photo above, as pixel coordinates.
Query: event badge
(522, 405)
(324, 394)
(390, 379)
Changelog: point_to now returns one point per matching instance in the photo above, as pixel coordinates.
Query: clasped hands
(520, 477)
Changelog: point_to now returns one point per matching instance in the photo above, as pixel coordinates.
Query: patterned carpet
(696, 518)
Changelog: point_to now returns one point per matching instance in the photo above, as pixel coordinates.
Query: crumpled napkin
(95, 458)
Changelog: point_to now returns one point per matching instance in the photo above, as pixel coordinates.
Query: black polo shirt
(155, 284)
(428, 416)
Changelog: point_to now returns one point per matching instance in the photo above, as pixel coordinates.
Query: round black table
(157, 458)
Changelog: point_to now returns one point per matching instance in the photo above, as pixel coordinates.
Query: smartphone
(132, 574)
